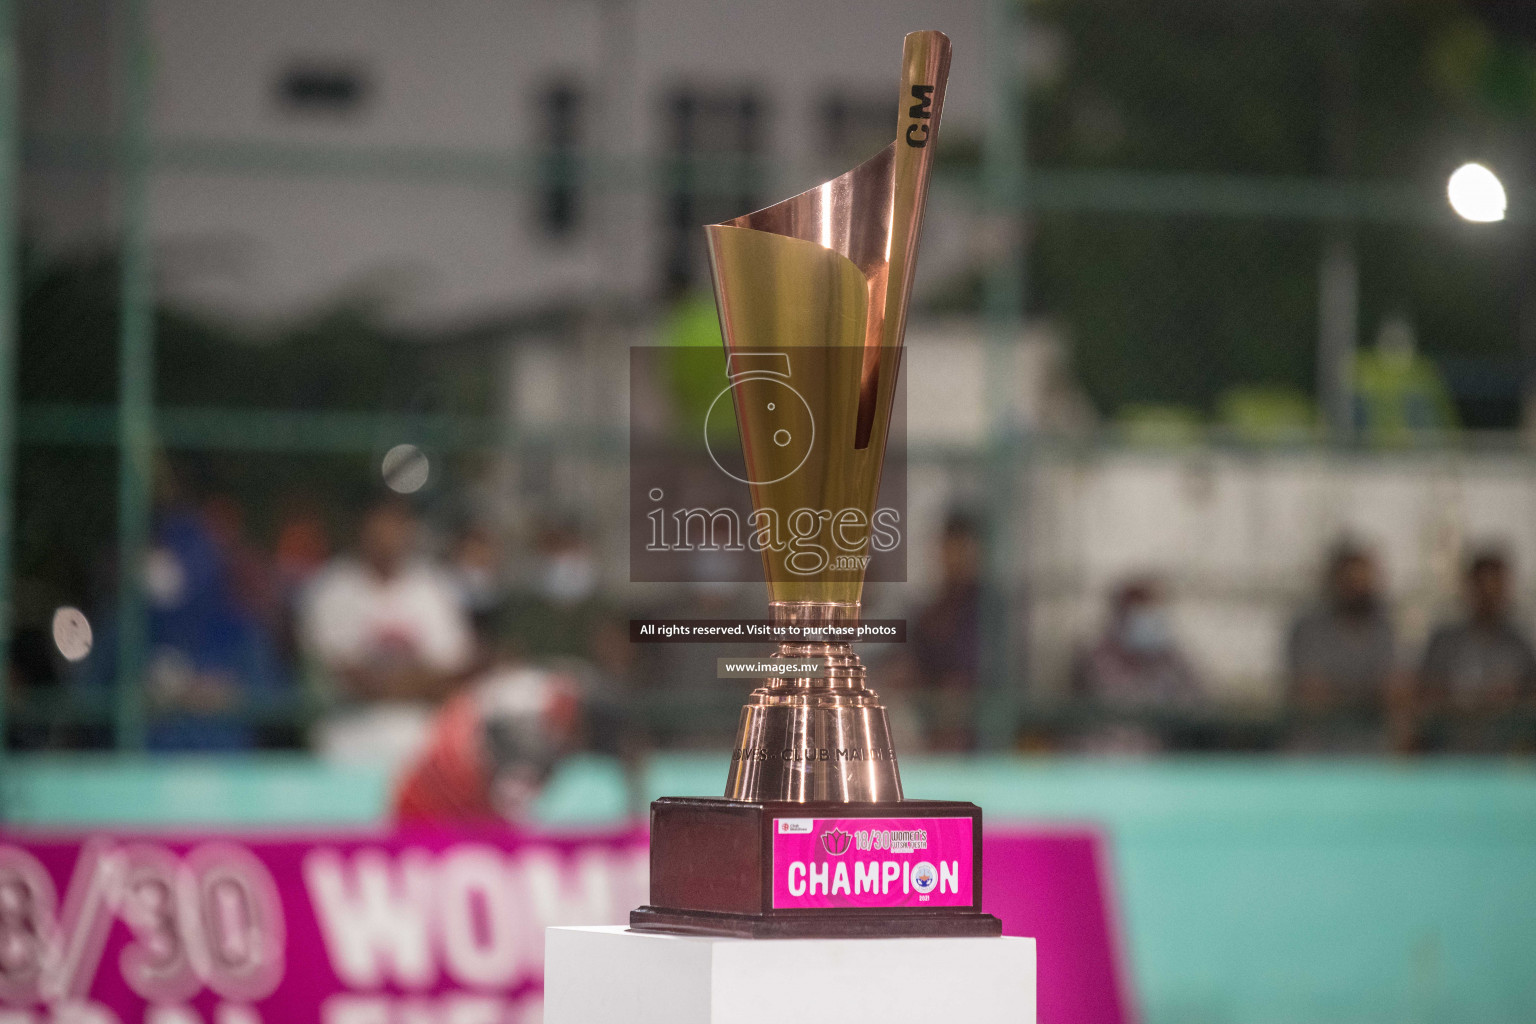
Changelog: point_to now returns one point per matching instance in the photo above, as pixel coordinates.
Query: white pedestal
(598, 975)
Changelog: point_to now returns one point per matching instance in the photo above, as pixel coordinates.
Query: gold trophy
(813, 836)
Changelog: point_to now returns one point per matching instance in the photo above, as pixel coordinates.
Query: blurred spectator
(1481, 669)
(303, 546)
(561, 619)
(253, 580)
(391, 639)
(303, 549)
(1342, 658)
(210, 658)
(493, 748)
(560, 611)
(945, 637)
(477, 567)
(1398, 393)
(1133, 670)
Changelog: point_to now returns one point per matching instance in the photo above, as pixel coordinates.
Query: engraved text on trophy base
(814, 754)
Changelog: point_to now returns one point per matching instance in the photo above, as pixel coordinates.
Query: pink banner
(412, 928)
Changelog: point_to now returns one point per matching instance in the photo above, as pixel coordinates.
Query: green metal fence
(1004, 184)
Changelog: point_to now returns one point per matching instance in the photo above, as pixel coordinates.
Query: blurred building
(424, 155)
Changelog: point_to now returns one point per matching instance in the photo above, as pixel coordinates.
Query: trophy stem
(820, 737)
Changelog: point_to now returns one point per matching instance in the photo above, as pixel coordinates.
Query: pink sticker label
(872, 862)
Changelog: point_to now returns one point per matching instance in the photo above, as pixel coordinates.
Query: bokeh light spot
(72, 633)
(405, 469)
(1476, 194)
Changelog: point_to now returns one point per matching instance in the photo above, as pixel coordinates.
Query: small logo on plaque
(836, 842)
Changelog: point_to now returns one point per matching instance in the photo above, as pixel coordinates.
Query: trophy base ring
(819, 869)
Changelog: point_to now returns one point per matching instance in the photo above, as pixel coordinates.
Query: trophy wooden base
(776, 869)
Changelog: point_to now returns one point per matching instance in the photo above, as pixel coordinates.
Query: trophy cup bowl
(812, 294)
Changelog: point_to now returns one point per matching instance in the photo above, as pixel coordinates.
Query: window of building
(715, 143)
(323, 87)
(559, 196)
(854, 128)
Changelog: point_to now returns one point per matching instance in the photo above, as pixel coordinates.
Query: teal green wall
(1251, 891)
